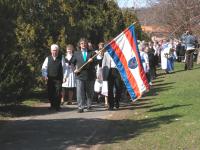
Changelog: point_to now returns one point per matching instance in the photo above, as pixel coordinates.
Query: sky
(132, 3)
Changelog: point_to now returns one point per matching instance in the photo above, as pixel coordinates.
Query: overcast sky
(132, 3)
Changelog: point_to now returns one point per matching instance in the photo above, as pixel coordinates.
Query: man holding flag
(125, 55)
(126, 58)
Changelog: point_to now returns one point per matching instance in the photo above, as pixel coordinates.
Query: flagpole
(90, 60)
(97, 53)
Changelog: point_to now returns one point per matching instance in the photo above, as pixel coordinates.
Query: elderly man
(53, 69)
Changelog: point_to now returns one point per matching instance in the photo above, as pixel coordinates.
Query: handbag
(97, 86)
(104, 90)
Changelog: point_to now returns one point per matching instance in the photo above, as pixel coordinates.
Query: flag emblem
(132, 63)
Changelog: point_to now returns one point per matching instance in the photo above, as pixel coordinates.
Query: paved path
(49, 130)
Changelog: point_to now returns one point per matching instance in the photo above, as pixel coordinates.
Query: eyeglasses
(83, 43)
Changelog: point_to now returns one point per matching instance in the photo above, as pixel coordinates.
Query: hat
(54, 46)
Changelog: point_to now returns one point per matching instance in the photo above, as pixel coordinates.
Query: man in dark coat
(85, 76)
(53, 70)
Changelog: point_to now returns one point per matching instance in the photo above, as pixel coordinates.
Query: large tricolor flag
(124, 51)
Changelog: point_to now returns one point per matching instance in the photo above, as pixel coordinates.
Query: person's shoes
(110, 108)
(69, 103)
(80, 110)
(106, 105)
(101, 98)
(50, 108)
(185, 68)
(89, 109)
(58, 108)
(62, 103)
(117, 105)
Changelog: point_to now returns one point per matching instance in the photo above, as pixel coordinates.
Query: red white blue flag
(124, 51)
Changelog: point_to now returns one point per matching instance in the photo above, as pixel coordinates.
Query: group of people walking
(93, 74)
(64, 74)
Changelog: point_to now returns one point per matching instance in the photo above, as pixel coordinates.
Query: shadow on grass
(135, 106)
(183, 69)
(197, 67)
(157, 89)
(157, 81)
(66, 133)
(145, 99)
(167, 108)
(163, 84)
(143, 106)
(179, 71)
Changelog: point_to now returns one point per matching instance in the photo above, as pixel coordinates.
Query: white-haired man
(54, 72)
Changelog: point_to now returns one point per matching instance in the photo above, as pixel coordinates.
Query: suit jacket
(88, 72)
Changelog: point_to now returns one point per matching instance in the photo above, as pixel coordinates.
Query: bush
(16, 79)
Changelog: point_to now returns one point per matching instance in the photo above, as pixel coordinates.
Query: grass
(169, 118)
(25, 107)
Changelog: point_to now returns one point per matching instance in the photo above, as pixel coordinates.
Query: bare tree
(179, 15)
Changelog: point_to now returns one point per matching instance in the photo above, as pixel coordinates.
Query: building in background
(159, 32)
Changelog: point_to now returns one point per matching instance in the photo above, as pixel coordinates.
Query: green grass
(25, 106)
(31, 102)
(169, 118)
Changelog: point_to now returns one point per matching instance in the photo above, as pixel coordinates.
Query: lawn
(167, 118)
(25, 107)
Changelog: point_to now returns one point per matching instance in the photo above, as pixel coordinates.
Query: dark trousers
(189, 59)
(148, 75)
(68, 93)
(114, 80)
(98, 97)
(54, 92)
(152, 73)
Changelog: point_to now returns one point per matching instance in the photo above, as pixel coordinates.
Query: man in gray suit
(85, 76)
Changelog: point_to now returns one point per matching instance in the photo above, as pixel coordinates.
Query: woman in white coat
(68, 87)
(166, 55)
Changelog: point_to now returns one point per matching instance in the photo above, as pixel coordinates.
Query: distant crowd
(165, 52)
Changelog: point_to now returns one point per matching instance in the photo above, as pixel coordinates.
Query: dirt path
(67, 129)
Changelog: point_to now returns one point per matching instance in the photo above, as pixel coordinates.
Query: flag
(124, 51)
